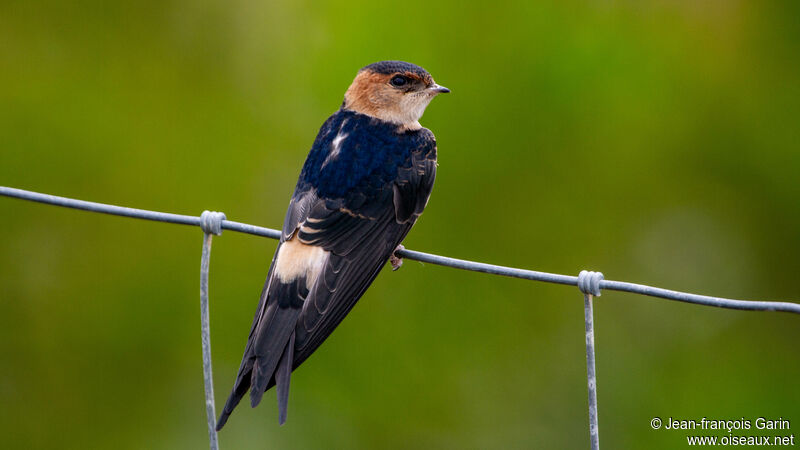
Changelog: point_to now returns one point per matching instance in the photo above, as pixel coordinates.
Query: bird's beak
(436, 89)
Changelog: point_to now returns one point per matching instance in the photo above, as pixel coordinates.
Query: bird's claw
(395, 260)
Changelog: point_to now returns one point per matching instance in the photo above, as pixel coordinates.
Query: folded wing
(355, 235)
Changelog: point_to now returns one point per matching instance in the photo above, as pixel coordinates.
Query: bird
(365, 182)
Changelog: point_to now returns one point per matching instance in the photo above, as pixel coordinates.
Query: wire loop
(211, 222)
(589, 282)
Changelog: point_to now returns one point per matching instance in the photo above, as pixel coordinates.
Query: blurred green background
(655, 141)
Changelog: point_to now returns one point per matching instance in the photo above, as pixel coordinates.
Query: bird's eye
(398, 81)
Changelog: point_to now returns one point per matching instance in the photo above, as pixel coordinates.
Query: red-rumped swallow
(365, 182)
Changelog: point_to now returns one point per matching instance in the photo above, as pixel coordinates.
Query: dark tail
(239, 389)
(282, 375)
(280, 379)
(270, 348)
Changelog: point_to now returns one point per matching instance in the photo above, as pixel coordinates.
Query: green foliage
(655, 141)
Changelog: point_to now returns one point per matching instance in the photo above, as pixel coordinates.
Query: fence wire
(463, 264)
(590, 284)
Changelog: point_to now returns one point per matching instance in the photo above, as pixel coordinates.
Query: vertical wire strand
(211, 414)
(588, 316)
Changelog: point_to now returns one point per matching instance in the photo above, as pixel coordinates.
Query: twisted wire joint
(589, 282)
(211, 222)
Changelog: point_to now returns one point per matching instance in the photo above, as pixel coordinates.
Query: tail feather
(282, 375)
(269, 347)
(273, 328)
(239, 389)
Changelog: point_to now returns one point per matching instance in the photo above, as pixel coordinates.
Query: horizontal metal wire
(415, 255)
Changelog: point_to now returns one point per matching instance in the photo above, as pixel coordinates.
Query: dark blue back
(368, 158)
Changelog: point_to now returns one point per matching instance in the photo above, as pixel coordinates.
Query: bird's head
(393, 91)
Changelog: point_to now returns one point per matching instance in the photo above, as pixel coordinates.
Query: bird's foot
(396, 260)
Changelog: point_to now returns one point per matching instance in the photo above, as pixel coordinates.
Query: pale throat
(405, 113)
